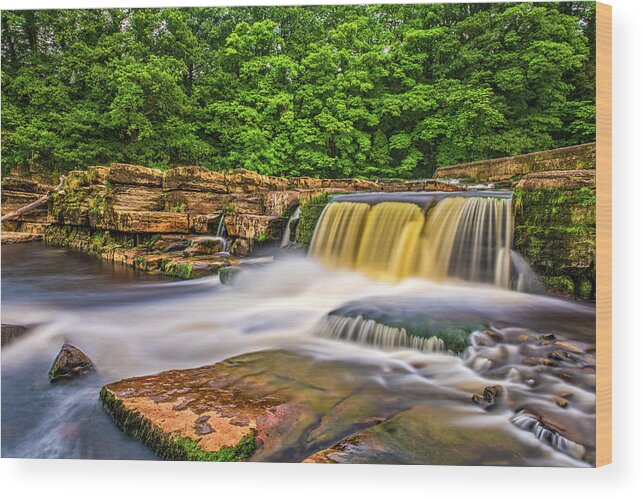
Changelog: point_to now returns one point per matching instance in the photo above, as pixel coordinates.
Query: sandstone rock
(154, 222)
(194, 178)
(13, 200)
(254, 226)
(273, 404)
(242, 180)
(120, 173)
(205, 224)
(195, 202)
(288, 407)
(70, 363)
(25, 185)
(300, 183)
(136, 198)
(15, 225)
(11, 332)
(19, 237)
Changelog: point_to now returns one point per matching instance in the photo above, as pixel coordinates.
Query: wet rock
(272, 405)
(429, 434)
(489, 396)
(11, 332)
(289, 407)
(227, 275)
(70, 363)
(206, 246)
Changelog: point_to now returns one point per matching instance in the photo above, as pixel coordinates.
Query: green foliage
(333, 91)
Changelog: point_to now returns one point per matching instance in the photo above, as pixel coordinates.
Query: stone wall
(511, 169)
(555, 229)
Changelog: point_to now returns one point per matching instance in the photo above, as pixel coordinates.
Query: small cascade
(285, 240)
(221, 227)
(370, 332)
(526, 421)
(463, 237)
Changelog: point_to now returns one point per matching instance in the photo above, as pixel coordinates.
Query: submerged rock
(70, 363)
(11, 332)
(227, 275)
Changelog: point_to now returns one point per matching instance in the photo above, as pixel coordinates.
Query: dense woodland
(334, 91)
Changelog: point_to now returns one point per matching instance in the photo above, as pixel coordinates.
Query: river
(131, 323)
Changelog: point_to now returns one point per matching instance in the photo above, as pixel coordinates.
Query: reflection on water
(134, 324)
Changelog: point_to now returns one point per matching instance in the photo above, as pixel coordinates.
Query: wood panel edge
(603, 234)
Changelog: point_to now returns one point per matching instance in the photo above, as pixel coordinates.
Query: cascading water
(285, 240)
(462, 237)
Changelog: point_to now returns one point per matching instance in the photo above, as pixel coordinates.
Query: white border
(120, 479)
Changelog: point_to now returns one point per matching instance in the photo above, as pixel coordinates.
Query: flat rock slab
(288, 407)
(19, 237)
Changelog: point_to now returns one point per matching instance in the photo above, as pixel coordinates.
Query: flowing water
(442, 338)
(435, 237)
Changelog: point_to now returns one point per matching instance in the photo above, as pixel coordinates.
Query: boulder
(70, 363)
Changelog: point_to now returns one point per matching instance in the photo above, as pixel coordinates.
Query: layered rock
(16, 193)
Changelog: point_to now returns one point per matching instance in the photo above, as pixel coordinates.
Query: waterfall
(221, 227)
(528, 422)
(285, 240)
(463, 237)
(370, 332)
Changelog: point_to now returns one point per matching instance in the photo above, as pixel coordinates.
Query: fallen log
(33, 205)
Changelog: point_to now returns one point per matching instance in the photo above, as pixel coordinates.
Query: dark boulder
(70, 363)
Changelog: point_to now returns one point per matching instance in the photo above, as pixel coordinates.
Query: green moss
(559, 285)
(585, 289)
(555, 230)
(152, 241)
(168, 446)
(311, 210)
(183, 270)
(54, 370)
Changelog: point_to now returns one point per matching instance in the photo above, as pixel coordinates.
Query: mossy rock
(311, 210)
